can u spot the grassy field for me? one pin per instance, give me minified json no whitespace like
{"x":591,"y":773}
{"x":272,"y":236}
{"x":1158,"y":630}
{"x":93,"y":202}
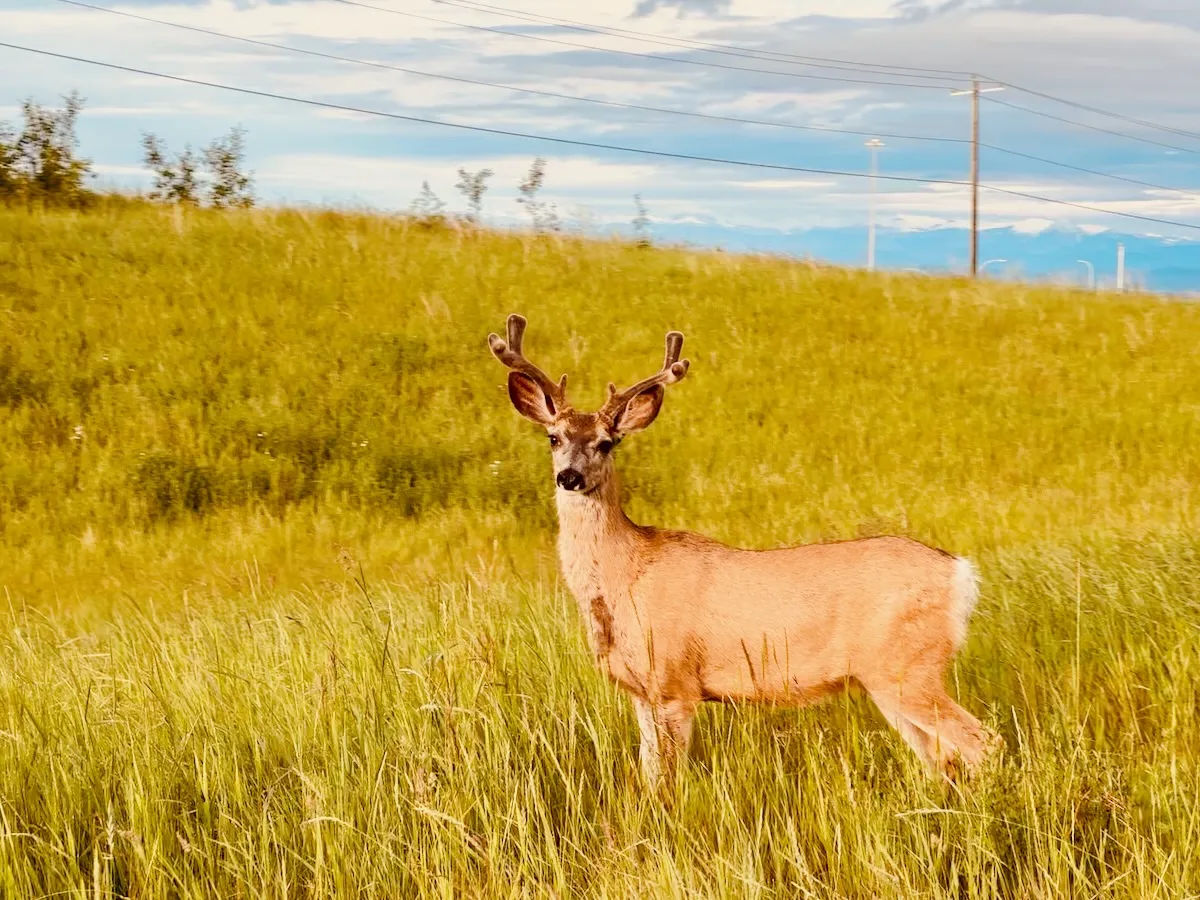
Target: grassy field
{"x":280,"y":609}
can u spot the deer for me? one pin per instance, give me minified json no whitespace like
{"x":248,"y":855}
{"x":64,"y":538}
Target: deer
{"x":676,"y":619}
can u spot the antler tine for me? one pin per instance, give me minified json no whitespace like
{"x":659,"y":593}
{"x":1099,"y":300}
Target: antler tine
{"x":516,"y":332}
{"x":510,"y":354}
{"x":672,"y":371}
{"x":674,"y":348}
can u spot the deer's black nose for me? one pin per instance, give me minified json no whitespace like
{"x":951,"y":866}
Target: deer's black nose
{"x":569,"y":480}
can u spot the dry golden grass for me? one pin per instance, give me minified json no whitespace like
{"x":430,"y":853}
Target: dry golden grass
{"x":280,"y":608}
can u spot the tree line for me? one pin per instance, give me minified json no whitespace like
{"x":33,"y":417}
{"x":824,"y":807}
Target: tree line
{"x":41,"y":163}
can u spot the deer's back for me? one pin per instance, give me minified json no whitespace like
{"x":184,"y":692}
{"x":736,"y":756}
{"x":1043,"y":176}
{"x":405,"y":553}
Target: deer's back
{"x":791,"y":619}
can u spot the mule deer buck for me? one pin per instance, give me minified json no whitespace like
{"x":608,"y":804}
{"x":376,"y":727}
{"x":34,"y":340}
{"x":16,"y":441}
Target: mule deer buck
{"x":675,"y":618}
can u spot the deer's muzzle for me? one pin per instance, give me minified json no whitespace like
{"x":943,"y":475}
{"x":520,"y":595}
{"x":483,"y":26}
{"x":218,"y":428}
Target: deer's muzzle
{"x":569,"y":480}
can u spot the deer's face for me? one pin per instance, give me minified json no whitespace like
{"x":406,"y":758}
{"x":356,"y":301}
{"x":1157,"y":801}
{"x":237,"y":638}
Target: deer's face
{"x":581,"y":444}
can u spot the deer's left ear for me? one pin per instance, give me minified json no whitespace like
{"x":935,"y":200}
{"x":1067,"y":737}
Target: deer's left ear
{"x":530,"y":399}
{"x":641,"y":410}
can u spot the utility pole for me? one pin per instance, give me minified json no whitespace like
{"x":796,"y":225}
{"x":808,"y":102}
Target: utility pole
{"x":1120,"y":267}
{"x":975,"y":90}
{"x":873,"y":145}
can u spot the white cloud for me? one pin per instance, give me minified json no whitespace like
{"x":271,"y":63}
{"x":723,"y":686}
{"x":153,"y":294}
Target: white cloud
{"x":910,"y":222}
{"x":1032,"y":226}
{"x":307,"y":153}
{"x":784,"y":101}
{"x":783,"y":184}
{"x":393,"y":182}
{"x":136,"y":173}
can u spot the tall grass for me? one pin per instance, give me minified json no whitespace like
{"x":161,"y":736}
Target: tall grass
{"x":281,"y":615}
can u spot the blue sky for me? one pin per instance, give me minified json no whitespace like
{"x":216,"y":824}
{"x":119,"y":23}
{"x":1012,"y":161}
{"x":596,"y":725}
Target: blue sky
{"x":1140,"y":62}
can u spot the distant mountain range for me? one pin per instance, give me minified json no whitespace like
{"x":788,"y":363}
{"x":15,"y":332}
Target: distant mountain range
{"x":1160,"y":264}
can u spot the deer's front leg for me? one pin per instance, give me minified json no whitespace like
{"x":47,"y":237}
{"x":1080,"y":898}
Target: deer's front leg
{"x":666,"y":729}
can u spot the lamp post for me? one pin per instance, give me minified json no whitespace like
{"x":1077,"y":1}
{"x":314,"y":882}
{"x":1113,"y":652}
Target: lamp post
{"x":873,"y":145}
{"x":1091,"y":273}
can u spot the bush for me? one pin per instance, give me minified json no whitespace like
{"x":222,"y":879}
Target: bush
{"x":41,"y":163}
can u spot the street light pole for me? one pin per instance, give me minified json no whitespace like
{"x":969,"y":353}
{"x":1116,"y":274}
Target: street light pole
{"x":873,"y":145}
{"x":974,"y":175}
{"x":975,"y":90}
{"x":1091,"y":273}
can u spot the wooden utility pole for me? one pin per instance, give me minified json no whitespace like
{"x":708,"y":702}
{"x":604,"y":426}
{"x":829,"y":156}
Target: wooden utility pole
{"x":975,"y":90}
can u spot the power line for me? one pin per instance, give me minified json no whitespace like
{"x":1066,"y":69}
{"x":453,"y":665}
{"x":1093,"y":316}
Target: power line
{"x":609,"y":103}
{"x":636,"y":54}
{"x":1084,"y":206}
{"x":818,"y":61}
{"x":610,"y":29}
{"x":1063,"y":165}
{"x":595,"y":145}
{"x":573,"y":142}
{"x":1095,"y":109}
{"x":707,"y":47}
{"x":524,"y":90}
{"x":1120,"y":134}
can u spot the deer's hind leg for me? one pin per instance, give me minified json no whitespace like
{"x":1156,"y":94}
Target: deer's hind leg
{"x":942,"y":733}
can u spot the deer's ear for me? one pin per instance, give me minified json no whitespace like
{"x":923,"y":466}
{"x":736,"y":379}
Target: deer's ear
{"x":641,"y":410}
{"x":529,"y":399}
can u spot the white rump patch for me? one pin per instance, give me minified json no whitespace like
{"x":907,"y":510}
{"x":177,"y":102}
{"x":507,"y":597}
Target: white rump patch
{"x":964,"y":594}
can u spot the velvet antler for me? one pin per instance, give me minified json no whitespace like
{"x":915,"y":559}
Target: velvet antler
{"x":673,"y":369}
{"x":509,"y":353}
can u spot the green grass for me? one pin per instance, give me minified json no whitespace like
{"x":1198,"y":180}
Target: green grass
{"x":280,"y":610}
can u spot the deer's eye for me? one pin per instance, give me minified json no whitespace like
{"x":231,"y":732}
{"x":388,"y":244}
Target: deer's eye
{"x":554,"y":441}
{"x":604,"y":446}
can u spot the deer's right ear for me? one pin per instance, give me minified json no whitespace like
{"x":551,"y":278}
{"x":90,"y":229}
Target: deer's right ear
{"x":529,"y":399}
{"x":641,"y":410}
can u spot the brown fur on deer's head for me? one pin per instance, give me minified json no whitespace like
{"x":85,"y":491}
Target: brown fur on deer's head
{"x":581,"y":442}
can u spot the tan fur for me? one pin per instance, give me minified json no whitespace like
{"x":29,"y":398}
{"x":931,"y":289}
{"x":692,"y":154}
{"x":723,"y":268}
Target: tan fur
{"x":675,"y":618}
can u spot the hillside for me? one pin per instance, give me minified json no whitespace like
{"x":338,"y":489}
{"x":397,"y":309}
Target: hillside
{"x":281,"y":607}
{"x":1052,"y":253}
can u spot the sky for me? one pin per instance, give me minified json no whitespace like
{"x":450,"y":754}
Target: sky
{"x":1138,"y":60}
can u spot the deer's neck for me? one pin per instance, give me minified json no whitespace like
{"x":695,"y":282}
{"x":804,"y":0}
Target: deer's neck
{"x":597,"y":543}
